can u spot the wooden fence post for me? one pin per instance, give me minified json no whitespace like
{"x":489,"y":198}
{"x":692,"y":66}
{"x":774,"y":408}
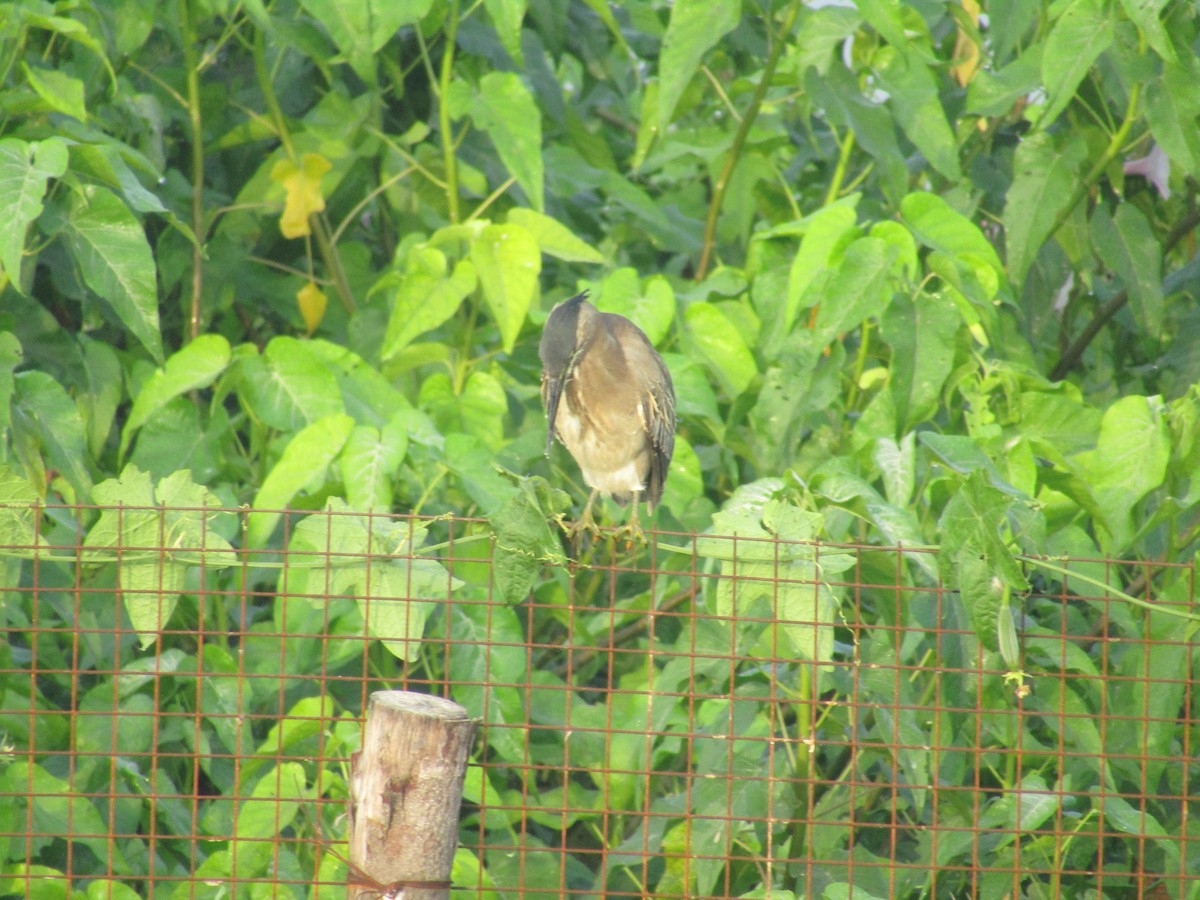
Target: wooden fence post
{"x":405,"y":793}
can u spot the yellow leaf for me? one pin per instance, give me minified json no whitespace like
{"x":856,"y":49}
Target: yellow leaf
{"x":966,"y":50}
{"x":312,"y":302}
{"x":303,"y":186}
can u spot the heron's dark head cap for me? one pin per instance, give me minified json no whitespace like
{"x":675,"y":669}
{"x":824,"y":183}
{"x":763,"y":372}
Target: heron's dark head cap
{"x":560,"y":336}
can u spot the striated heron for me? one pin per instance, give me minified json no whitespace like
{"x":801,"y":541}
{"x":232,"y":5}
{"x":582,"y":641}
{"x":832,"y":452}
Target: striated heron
{"x":609,"y":399}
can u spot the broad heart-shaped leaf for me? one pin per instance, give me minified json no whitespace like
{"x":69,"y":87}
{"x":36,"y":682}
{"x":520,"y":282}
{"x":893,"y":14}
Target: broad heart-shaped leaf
{"x":554,"y":238}
{"x":195,"y":366}
{"x":18,"y":521}
{"x":650,"y":307}
{"x":369,"y":460}
{"x":56,"y":806}
{"x":302,"y":466}
{"x":155,"y":535}
{"x":111,"y":249}
{"x":696,"y":26}
{"x":766,"y":557}
{"x":971,"y":524}
{"x":273,"y":803}
{"x":1080,"y":34}
{"x":425,"y":300}
{"x":372,"y":560}
{"x":1130,"y":461}
{"x":508,"y":262}
{"x":289,"y":386}
{"x":918,"y":108}
{"x":1172,"y":108}
{"x":921,"y":334}
{"x":481,"y":409}
{"x":24,"y":170}
{"x":826,"y":233}
{"x":58,"y":90}
{"x":940,"y":227}
{"x":46,"y":420}
{"x":506,"y":16}
{"x":1126,"y":244}
{"x":858,"y":291}
{"x":722,"y":347}
{"x":524,"y":539}
{"x":361,"y":29}
{"x":1045,"y":176}
{"x":505,"y":109}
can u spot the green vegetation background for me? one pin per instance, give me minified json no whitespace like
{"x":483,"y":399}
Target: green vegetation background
{"x":923,"y":274}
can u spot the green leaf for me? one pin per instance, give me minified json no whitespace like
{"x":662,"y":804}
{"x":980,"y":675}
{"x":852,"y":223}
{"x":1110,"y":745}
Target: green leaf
{"x":922,"y":336}
{"x":11,"y":355}
{"x":53,"y":806}
{"x":288,"y":386}
{"x":826,"y":233}
{"x":504,"y":108}
{"x":554,"y":238}
{"x":25,"y":169}
{"x":105,"y":889}
{"x":18,"y":519}
{"x":897,"y":467}
{"x":766,"y":554}
{"x":424,"y":301}
{"x":58,"y":90}
{"x":110,"y":246}
{"x":372,"y":560}
{"x":474,"y":464}
{"x":525,"y":541}
{"x":368,"y":462}
{"x":997,"y":93}
{"x":859,"y":290}
{"x":508,"y":262}
{"x":919,"y":112}
{"x":100,"y":392}
{"x":1080,"y":34}
{"x":361,"y":29}
{"x":696,"y":26}
{"x":480,"y":410}
{"x":273,"y":803}
{"x":1172,"y":109}
{"x":963,"y":455}
{"x":45,"y":419}
{"x":155,"y":535}
{"x":196,"y":366}
{"x":722,"y":347}
{"x":1046,"y":174}
{"x":1126,"y":243}
{"x":840,"y":94}
{"x":1146,"y":15}
{"x":1130,"y":461}
{"x":506,"y":16}
{"x":938,"y":226}
{"x":650,"y":307}
{"x":302,"y":466}
{"x":971,"y":527}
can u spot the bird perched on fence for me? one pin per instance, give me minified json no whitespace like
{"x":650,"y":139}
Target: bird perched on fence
{"x":609,"y":399}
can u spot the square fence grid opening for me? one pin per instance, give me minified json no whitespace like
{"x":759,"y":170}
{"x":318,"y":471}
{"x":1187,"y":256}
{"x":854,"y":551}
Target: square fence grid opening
{"x":705,"y":717}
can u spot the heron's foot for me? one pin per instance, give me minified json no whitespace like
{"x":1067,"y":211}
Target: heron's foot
{"x":585,"y":526}
{"x":631,"y":532}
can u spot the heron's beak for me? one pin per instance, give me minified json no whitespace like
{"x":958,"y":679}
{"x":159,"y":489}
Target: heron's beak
{"x":553,"y":393}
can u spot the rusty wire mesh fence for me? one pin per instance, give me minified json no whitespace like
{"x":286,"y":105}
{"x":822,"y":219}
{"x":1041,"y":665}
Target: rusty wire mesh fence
{"x":709,"y":717}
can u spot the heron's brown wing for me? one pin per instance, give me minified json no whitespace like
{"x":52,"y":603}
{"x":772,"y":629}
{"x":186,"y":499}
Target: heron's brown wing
{"x":656,"y":405}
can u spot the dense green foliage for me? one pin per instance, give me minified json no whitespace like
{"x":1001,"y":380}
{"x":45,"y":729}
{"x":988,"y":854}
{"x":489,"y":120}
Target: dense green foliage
{"x":920,"y":277}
